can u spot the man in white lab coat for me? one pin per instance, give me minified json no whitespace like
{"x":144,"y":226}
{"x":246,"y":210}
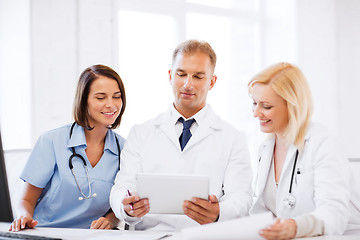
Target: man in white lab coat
{"x":161,"y":145}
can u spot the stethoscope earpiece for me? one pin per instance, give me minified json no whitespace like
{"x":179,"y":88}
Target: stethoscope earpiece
{"x":83,"y":198}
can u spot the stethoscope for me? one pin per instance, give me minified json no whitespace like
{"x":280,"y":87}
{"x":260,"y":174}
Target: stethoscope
{"x":290,"y":200}
{"x":74,"y":154}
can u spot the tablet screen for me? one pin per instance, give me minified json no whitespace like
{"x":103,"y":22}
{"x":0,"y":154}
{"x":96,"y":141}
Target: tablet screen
{"x":167,"y":193}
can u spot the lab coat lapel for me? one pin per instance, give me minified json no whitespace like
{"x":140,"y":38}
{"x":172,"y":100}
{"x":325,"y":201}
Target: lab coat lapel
{"x":264,"y":165}
{"x":166,"y":125}
{"x":289,"y":162}
{"x":209,"y":125}
{"x":285,"y":179}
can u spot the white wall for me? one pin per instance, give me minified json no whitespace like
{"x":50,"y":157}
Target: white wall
{"x":54,"y":62}
{"x":329,"y":55}
{"x":68,"y":35}
{"x":348,"y":60}
{"x":15,"y":99}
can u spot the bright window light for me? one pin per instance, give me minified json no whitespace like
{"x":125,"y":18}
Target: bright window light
{"x":144,"y":61}
{"x":233,"y":4}
{"x":203,"y":27}
{"x":15,"y":88}
{"x":213,"y":3}
{"x":244,"y":34}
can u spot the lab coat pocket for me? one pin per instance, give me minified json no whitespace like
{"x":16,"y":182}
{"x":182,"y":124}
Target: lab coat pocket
{"x":304,"y":189}
{"x":301,"y":178}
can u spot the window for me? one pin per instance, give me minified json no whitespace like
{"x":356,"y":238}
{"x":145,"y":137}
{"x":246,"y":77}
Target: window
{"x":247,"y":35}
{"x":15,"y":107}
{"x":143,"y":63}
{"x":244,"y":34}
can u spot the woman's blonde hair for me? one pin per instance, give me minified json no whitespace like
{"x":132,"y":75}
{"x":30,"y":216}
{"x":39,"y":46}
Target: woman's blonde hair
{"x":289,"y":83}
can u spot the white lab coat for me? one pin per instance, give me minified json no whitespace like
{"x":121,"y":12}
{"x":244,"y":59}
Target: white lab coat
{"x":322,"y":187}
{"x":353,"y":227}
{"x":215,"y":149}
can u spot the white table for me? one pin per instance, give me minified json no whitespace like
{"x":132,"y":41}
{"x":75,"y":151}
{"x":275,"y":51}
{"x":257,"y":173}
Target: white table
{"x":89,"y":234}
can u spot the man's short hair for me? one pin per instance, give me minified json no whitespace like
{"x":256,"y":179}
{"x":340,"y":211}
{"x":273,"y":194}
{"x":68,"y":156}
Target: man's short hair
{"x":193,"y":46}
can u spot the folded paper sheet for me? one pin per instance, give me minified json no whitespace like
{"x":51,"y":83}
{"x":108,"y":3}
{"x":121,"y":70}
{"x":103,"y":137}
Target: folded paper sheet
{"x":242,"y":228}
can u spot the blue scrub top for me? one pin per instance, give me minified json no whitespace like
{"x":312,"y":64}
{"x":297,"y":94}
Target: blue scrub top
{"x":48,"y":168}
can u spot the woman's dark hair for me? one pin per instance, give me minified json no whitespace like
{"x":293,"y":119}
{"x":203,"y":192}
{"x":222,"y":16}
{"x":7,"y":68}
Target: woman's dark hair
{"x":87,"y":77}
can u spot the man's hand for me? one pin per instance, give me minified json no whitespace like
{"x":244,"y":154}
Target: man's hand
{"x":281,"y":229}
{"x":136,"y":207}
{"x":201,"y":210}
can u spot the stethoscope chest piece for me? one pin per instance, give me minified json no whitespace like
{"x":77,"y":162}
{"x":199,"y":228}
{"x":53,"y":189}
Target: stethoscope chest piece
{"x":290,"y":201}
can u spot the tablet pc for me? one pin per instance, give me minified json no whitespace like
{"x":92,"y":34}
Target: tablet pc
{"x":167,"y":193}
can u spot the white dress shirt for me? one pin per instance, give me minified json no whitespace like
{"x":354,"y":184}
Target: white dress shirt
{"x":199,"y":116}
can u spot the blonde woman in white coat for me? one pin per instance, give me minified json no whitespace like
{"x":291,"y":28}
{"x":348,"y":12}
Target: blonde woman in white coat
{"x":300,"y":179}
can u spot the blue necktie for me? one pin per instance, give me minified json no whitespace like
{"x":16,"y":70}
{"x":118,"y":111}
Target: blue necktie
{"x":186,"y":134}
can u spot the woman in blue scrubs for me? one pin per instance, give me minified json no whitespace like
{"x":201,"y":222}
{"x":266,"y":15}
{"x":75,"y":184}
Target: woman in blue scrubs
{"x":55,"y":195}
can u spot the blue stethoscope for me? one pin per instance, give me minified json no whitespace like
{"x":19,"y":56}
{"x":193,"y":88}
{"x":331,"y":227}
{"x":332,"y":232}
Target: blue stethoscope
{"x":73,"y":155}
{"x":290,"y":200}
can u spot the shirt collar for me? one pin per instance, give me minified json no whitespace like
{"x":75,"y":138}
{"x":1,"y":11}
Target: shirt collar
{"x":199,"y":116}
{"x":110,"y":142}
{"x":78,"y":139}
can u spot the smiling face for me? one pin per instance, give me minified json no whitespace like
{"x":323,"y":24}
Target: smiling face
{"x":269,"y":108}
{"x":104,"y":102}
{"x":191,"y":78}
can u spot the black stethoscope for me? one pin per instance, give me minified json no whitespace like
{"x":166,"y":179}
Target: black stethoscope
{"x":290,"y":200}
{"x":74,"y":154}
